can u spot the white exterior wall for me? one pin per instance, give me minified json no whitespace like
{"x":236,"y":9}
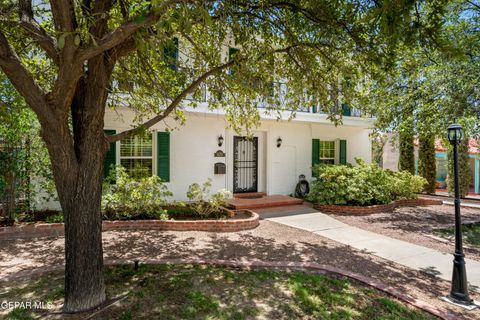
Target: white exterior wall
{"x":391,"y":153}
{"x":193,"y":145}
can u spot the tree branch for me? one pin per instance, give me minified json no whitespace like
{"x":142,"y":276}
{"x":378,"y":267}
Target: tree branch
{"x":21,"y":78}
{"x":63,"y":15}
{"x":194,"y":85}
{"x":123,"y":33}
{"x":44,"y":40}
{"x":475,"y":5}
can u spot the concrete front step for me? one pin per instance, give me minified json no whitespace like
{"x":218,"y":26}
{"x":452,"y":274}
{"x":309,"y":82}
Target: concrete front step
{"x":264,"y":202}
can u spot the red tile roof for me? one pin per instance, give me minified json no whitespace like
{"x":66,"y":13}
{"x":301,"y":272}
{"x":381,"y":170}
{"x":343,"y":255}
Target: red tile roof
{"x":473,"y":145}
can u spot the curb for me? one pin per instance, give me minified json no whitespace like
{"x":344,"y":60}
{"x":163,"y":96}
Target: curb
{"x":367,"y":210}
{"x":463,"y":204}
{"x":57,"y":229}
{"x":310,"y":266}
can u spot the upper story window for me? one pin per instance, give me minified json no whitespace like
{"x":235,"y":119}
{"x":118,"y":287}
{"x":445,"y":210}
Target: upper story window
{"x":327,"y":152}
{"x":170,"y":54}
{"x":136,"y":155}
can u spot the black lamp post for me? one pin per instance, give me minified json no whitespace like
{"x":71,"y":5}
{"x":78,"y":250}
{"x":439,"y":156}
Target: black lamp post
{"x":459,"y":292}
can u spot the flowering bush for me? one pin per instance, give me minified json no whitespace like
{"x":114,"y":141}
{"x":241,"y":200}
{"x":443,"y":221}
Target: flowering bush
{"x":362,"y":185}
{"x":130,"y":198}
{"x":205,"y":205}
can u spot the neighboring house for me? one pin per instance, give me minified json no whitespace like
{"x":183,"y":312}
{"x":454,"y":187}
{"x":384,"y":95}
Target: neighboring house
{"x":390,"y":158}
{"x":442,"y":168}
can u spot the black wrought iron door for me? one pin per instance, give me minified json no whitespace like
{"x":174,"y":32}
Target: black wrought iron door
{"x":245,"y":164}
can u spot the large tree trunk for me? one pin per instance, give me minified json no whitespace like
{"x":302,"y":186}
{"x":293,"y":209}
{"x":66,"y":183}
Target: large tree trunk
{"x":77,"y":163}
{"x":79,"y":187}
{"x":77,"y":148}
{"x":84,"y":282}
{"x":78,"y":178}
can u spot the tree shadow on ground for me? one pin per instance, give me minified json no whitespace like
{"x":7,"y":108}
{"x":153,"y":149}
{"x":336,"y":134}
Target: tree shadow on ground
{"x":419,"y":219}
{"x":248,"y":247}
{"x":21,"y":254}
{"x":269,"y":242}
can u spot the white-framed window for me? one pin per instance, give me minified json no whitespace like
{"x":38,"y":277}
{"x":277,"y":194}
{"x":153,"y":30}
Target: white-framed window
{"x":327,"y":152}
{"x":136,"y":155}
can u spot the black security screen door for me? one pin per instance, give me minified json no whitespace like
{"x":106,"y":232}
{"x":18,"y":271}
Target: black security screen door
{"x":245,"y":164}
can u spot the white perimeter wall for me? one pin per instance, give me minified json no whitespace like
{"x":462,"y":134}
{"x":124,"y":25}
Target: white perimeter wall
{"x":193,"y":145}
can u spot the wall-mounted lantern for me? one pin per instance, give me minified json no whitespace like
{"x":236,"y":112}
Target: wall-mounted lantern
{"x":220,"y":140}
{"x":279,"y":142}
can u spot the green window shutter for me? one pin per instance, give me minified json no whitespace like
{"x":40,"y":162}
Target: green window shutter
{"x":315,"y":153}
{"x":231,"y":54}
{"x":111,"y":157}
{"x":343,"y":151}
{"x":314,"y":109}
{"x":346,"y":110}
{"x":163,"y":155}
{"x":170,"y":54}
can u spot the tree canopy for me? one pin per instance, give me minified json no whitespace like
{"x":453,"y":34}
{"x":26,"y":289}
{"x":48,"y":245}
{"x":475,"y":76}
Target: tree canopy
{"x":440,"y":83}
{"x":323,"y":50}
{"x":67,"y":59}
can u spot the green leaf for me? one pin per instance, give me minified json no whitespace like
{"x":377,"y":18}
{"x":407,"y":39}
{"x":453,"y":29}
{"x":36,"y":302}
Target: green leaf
{"x":76,"y":40}
{"x":61,"y":41}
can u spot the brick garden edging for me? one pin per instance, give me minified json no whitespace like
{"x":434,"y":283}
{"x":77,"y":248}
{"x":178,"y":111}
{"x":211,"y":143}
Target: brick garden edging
{"x":366,"y":210}
{"x":56,"y":229}
{"x":289,"y":265}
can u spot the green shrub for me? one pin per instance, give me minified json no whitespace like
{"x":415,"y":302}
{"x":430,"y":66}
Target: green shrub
{"x":179,"y":210}
{"x":129,"y":198}
{"x":55,"y":218}
{"x":362,"y":185}
{"x":205,"y":205}
{"x":406,"y":186}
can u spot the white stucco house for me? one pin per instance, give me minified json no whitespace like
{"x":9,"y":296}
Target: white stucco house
{"x":271,"y":162}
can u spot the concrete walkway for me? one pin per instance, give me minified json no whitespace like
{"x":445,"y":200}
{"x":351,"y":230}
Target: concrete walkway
{"x":404,"y":253}
{"x":466,"y":205}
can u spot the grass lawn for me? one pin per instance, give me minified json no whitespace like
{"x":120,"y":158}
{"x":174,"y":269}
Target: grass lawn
{"x":199,"y":292}
{"x":470,"y":233}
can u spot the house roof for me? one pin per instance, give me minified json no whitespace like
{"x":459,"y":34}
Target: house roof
{"x":473,"y":146}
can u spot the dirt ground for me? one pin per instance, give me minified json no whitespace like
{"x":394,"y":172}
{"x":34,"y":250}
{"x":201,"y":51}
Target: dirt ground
{"x":269,"y":242}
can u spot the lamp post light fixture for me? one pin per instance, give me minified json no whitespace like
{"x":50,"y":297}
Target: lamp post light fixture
{"x":279,"y":142}
{"x":220,"y":140}
{"x":459,"y":291}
